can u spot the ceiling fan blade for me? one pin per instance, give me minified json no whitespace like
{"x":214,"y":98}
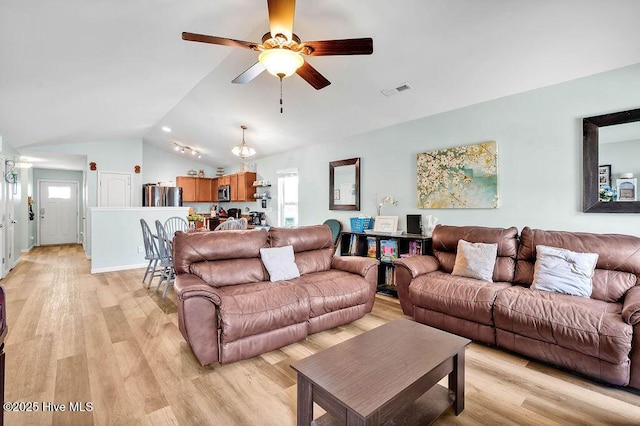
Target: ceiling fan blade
{"x":312,"y":76}
{"x":252,"y":72}
{"x":281,"y":17}
{"x":219,"y":40}
{"x":351,"y":46}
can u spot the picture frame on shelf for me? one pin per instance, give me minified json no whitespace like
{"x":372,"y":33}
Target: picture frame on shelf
{"x":604,"y":175}
{"x":385,"y":224}
{"x":627,"y":189}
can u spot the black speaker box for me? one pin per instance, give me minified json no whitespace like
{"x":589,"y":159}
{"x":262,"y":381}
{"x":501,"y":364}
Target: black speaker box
{"x":414,"y":224}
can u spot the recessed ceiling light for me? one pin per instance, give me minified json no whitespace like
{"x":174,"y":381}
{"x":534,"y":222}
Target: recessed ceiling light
{"x":166,"y":129}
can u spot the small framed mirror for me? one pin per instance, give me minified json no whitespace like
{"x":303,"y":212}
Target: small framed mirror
{"x":344,"y":184}
{"x":611,"y":144}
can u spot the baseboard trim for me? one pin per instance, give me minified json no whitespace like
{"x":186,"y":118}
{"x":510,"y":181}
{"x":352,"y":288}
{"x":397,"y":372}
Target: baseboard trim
{"x":118,"y":268}
{"x":28,"y":249}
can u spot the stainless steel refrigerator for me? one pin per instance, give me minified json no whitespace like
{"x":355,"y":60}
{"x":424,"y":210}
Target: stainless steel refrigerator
{"x":154,"y":195}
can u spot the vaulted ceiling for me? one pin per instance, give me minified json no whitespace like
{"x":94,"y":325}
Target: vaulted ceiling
{"x":75,"y":71}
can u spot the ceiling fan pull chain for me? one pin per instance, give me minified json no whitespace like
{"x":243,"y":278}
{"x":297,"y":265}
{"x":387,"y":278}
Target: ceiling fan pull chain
{"x":280,"y":75}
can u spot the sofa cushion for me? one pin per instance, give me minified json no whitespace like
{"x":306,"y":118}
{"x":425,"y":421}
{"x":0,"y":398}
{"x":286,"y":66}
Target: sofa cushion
{"x":617,"y":269}
{"x":589,"y":326}
{"x":460,"y":297}
{"x":192,"y":248}
{"x":312,"y":245}
{"x":564,"y":271}
{"x":475,"y":260}
{"x":445,"y":243}
{"x":280,"y":263}
{"x":333,"y":290}
{"x":250,"y":309}
{"x":230,"y":272}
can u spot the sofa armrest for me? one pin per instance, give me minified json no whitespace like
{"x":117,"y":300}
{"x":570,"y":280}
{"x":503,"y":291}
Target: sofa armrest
{"x":189,"y":285}
{"x":408,"y":268}
{"x":198,"y":305}
{"x":354,"y":264}
{"x":631,"y":306}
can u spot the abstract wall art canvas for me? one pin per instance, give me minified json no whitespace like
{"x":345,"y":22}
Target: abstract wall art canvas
{"x":464,"y":177}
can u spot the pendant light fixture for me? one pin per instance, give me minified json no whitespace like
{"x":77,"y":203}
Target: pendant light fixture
{"x":243,"y":150}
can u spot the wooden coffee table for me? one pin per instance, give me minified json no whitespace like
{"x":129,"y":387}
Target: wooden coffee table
{"x":388,"y":373}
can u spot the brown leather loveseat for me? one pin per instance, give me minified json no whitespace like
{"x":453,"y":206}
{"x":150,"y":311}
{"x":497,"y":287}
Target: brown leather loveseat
{"x":228,"y":309}
{"x":598,"y":336}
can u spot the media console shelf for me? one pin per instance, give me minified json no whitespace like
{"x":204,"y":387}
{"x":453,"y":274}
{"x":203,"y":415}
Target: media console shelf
{"x":386,"y":248}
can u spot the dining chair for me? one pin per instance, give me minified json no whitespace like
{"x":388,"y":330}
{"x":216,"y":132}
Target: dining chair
{"x":233,"y":224}
{"x":151,"y":253}
{"x":175,"y":223}
{"x":166,"y":258}
{"x":336,"y":227}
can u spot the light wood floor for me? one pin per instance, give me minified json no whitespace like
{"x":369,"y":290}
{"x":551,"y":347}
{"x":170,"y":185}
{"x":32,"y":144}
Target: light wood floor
{"x":106,"y":339}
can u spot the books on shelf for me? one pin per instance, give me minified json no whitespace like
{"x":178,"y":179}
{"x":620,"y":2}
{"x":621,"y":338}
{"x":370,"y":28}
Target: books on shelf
{"x":353,"y":245}
{"x":388,"y":250}
{"x":371,"y":247}
{"x":389,"y":276}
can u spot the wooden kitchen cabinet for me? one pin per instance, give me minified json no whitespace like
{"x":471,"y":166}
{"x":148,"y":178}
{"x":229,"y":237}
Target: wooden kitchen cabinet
{"x":241,"y":185}
{"x":214,"y":190}
{"x":188,"y":185}
{"x":203,"y":188}
{"x":233,"y":182}
{"x":195,"y":189}
{"x":245,"y":188}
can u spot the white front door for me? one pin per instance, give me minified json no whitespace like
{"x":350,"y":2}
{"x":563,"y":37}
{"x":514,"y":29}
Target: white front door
{"x":114,"y":189}
{"x":58,"y":212}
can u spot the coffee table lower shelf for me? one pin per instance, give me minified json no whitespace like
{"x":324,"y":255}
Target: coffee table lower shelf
{"x":424,"y":411}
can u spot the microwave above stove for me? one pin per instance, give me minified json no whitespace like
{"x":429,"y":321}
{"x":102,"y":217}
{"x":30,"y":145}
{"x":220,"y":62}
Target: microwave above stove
{"x":224,"y":193}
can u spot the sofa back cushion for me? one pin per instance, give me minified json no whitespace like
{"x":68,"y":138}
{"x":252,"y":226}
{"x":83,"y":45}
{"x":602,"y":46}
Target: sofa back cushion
{"x":312,"y":245}
{"x":617,"y":269}
{"x":445,"y":243}
{"x":221,"y":257}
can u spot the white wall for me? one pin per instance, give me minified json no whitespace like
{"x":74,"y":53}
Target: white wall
{"x":117,"y":242}
{"x":539,"y":136}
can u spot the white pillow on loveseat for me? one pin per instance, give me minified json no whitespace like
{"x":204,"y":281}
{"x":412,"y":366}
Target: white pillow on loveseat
{"x":564,"y":271}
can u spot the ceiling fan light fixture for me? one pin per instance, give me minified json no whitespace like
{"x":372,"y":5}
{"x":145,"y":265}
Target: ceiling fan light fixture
{"x":243,"y":150}
{"x":281,"y":62}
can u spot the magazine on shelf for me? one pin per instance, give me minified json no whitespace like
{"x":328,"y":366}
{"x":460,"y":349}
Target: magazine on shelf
{"x":388,"y":250}
{"x":371,"y":247}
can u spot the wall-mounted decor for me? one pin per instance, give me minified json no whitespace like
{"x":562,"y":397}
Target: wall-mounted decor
{"x":93,"y":165}
{"x":460,"y":177}
{"x":604,"y":129}
{"x":344,"y":182}
{"x":136,"y":168}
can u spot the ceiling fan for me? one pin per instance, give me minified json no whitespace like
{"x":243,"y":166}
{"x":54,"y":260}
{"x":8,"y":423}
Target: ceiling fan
{"x":281,"y":51}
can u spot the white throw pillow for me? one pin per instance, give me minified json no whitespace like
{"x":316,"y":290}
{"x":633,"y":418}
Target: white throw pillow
{"x":564,"y":271}
{"x":475,"y":260}
{"x":280,"y":263}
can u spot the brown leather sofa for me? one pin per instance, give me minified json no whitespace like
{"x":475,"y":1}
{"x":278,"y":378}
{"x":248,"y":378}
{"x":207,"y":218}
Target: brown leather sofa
{"x":228,"y":309}
{"x":597,"y":336}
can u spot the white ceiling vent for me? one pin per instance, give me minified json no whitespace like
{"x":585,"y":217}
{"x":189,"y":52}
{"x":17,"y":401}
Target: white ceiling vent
{"x":402,"y":88}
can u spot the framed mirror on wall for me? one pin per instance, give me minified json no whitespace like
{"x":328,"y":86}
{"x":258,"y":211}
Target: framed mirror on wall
{"x":611,"y":147}
{"x":344,"y":184}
